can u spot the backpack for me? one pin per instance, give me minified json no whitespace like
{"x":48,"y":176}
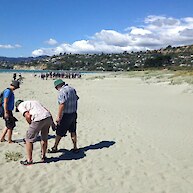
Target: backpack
{"x":1,"y":103}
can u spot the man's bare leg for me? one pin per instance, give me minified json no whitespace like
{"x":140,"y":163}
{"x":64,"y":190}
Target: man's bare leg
{"x":9,"y":135}
{"x":57,"y":140}
{"x":74,"y":140}
{"x":2,"y":138}
{"x":29,"y":149}
{"x":44,"y":145}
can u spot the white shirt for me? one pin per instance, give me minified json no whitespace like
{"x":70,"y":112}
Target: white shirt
{"x":35,"y":109}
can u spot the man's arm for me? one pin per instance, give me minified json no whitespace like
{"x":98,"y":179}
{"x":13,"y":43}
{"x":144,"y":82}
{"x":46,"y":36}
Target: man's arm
{"x":6,"y":115}
{"x":27,"y":117}
{"x":60,"y":112}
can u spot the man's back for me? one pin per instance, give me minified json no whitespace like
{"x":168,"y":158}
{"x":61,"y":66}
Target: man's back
{"x":35,"y":109}
{"x":10,"y":95}
{"x":68,"y":96}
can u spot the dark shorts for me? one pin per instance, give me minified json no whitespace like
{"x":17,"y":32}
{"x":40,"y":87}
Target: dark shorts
{"x":67,"y":123}
{"x":10,"y":121}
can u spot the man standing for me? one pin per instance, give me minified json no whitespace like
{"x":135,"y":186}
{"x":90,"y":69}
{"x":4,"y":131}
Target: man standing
{"x":67,"y":114}
{"x":8,"y":106}
{"x":40,"y":120}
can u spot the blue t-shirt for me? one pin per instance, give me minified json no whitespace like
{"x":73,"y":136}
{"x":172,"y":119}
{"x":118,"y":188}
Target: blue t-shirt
{"x":10,"y":95}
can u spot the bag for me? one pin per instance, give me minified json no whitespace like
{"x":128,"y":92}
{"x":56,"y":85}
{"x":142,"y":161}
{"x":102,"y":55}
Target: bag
{"x":1,"y":103}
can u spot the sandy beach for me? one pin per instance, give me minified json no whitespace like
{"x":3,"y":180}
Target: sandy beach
{"x":135,"y":136}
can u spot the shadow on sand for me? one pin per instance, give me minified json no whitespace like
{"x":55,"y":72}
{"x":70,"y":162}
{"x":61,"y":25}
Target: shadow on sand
{"x":21,"y":141}
{"x":69,"y":155}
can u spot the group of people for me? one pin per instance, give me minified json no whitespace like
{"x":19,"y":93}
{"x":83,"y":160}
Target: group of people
{"x":60,"y":75}
{"x":40,"y":119}
{"x":20,"y":78}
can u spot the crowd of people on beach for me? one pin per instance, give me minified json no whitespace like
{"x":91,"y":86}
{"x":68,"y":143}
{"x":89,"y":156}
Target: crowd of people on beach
{"x":40,"y":119}
{"x":55,"y":75}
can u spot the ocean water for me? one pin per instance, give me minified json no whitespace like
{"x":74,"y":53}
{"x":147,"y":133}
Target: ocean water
{"x":22,"y":71}
{"x":41,"y":71}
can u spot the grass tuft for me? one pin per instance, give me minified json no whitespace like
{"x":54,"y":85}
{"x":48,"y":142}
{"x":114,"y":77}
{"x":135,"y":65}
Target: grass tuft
{"x":13,"y":156}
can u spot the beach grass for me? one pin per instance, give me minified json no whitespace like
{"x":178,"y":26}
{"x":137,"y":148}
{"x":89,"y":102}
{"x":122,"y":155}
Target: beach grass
{"x":172,"y":77}
{"x":95,"y":77}
{"x":13,"y":156}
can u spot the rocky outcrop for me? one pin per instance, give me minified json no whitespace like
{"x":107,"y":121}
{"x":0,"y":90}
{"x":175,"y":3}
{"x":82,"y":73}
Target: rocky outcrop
{"x":25,"y":67}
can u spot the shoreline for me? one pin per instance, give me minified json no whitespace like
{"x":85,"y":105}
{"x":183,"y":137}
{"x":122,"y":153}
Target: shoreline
{"x":42,"y":71}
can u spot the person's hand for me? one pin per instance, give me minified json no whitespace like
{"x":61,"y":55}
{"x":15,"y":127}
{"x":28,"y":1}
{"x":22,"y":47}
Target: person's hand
{"x":28,"y":117}
{"x":58,"y":120}
{"x":53,"y":126}
{"x":6,"y":115}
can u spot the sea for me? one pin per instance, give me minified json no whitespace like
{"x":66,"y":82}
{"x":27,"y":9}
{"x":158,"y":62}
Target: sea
{"x":43,"y":71}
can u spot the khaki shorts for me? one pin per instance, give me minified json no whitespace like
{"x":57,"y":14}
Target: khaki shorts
{"x":36,"y":127}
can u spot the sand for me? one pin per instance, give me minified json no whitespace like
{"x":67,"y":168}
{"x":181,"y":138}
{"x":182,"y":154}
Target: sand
{"x":135,"y":137}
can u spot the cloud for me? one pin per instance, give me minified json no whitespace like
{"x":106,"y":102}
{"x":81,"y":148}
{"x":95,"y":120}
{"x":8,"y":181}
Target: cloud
{"x":161,"y":21}
{"x":187,"y":32}
{"x":9,"y":46}
{"x":139,"y":31}
{"x":51,"y":42}
{"x":155,"y":32}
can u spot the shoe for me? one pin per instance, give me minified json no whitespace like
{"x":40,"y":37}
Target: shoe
{"x":11,"y":141}
{"x":26,"y":163}
{"x":52,"y":150}
{"x":3,"y":140}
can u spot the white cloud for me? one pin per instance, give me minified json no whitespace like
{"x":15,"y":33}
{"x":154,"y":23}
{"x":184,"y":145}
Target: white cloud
{"x":51,"y":42}
{"x":18,"y":46}
{"x":9,"y":46}
{"x":139,"y":31}
{"x":38,"y":52}
{"x":156,"y":32}
{"x":111,"y":38}
{"x":161,"y":21}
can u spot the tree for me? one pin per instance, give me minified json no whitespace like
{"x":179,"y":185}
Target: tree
{"x":158,"y":61}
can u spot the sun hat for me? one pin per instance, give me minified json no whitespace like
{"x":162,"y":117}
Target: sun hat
{"x":15,"y":83}
{"x":17,"y":104}
{"x":58,"y":82}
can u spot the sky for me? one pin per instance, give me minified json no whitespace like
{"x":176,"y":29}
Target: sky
{"x":30,"y":28}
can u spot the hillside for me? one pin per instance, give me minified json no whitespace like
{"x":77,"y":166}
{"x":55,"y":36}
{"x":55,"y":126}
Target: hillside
{"x":165,"y":57}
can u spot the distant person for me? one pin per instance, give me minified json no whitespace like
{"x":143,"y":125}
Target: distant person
{"x":39,"y":120}
{"x":14,"y":76}
{"x":20,"y":79}
{"x":43,"y":76}
{"x":67,"y":114}
{"x":8,"y":106}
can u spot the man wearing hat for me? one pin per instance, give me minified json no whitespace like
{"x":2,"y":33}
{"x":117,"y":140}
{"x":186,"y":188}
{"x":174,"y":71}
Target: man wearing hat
{"x":67,"y":114}
{"x":8,"y":106}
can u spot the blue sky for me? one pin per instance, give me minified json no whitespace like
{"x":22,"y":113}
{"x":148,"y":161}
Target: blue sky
{"x":39,"y":27}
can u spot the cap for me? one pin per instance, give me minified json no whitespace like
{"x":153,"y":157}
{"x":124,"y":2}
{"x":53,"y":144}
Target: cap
{"x":15,"y":83}
{"x":58,"y":82}
{"x":18,"y":102}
